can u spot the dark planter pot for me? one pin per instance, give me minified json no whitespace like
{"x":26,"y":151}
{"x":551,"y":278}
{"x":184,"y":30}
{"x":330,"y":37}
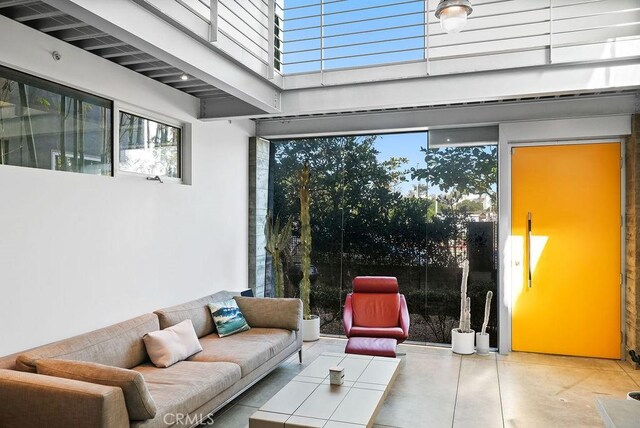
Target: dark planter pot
{"x":295,"y":274}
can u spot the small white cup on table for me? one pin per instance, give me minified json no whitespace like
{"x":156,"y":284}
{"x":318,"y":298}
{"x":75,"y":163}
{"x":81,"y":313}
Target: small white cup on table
{"x":336,"y":375}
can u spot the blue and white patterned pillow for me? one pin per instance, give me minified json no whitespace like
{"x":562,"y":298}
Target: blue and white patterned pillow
{"x":228,"y":318}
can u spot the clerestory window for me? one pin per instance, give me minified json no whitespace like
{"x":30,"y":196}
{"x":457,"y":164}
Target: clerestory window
{"x":50,"y":126}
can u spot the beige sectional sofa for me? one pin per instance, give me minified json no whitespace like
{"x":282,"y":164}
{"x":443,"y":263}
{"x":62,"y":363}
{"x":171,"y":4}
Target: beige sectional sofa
{"x":184,"y":393}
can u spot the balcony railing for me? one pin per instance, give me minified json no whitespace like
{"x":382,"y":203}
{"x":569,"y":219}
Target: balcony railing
{"x":324,"y":35}
{"x":275,"y":37}
{"x":329,"y":34}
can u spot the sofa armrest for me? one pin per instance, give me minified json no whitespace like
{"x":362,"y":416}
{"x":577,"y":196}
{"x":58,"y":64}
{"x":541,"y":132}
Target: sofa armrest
{"x":271,"y":312}
{"x":29,"y":400}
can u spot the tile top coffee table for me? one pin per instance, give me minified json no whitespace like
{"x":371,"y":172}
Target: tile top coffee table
{"x":309,"y":400}
{"x":617,"y":413}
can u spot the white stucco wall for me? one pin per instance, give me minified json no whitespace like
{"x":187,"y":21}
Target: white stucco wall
{"x":79,"y":252}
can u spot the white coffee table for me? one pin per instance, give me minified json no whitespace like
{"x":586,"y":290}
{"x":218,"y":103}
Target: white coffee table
{"x":309,"y":400}
{"x":618,"y":413}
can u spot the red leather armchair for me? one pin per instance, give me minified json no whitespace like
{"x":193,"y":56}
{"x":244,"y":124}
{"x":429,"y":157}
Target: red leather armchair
{"x":376,"y":309}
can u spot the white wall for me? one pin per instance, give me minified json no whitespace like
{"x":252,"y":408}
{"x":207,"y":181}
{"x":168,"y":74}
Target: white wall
{"x":79,"y":252}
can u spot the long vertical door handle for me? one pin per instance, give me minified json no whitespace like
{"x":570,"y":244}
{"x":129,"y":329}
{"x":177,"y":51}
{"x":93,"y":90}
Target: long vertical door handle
{"x":529,"y":247}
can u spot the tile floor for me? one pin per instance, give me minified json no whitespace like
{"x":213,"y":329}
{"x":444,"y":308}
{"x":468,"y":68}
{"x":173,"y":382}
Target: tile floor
{"x":436,"y":388}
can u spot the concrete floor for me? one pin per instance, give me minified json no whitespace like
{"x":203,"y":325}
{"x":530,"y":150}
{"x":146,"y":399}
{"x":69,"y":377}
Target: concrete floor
{"x":436,"y":388}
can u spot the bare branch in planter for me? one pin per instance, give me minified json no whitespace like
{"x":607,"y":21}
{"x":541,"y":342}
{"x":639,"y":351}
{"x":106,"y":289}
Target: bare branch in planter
{"x":465,"y":302}
{"x":487,"y":311}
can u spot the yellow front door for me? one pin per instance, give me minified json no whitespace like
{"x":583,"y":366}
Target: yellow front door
{"x":565,"y":243}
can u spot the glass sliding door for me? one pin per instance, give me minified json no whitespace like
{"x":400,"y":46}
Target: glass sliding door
{"x":388,"y":205}
{"x":462,"y":184}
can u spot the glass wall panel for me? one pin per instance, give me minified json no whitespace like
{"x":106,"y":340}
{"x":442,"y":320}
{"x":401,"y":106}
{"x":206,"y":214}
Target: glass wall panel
{"x":328,"y":188}
{"x":388,"y":205}
{"x":148,"y":147}
{"x":462,"y":183}
{"x":385,"y":215}
{"x":45,"y":125}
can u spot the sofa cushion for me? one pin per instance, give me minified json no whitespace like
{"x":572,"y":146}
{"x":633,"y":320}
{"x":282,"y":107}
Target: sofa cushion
{"x":248,"y":349}
{"x":277,"y":338}
{"x":119,"y":345}
{"x":196,"y":310}
{"x":176,"y":343}
{"x":185,"y":386}
{"x":140,"y":405}
{"x":228,"y":318}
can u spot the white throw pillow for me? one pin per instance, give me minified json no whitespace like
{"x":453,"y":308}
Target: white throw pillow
{"x":176,"y":343}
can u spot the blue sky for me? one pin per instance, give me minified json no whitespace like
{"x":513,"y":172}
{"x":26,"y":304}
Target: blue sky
{"x":302,"y":33}
{"x":403,"y":145}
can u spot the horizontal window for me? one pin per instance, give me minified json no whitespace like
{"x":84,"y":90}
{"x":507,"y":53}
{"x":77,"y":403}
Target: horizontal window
{"x":149,"y":147}
{"x":49,"y":126}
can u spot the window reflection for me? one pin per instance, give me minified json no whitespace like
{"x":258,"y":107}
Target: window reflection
{"x":148,"y":147}
{"x":49,"y":126}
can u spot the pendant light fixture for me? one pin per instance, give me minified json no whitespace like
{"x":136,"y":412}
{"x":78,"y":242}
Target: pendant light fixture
{"x":453,"y":14}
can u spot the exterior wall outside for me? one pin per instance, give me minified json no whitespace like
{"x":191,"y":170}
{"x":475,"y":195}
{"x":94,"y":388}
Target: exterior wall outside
{"x":258,"y":205}
{"x":632,"y":210}
{"x":80,"y":252}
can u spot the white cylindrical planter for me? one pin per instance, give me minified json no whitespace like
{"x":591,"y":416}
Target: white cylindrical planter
{"x":311,"y":329}
{"x":633,"y":395}
{"x":462,"y":343}
{"x":482,"y":344}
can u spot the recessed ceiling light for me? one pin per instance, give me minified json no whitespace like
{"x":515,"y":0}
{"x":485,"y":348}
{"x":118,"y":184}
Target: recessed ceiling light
{"x":184,"y":76}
